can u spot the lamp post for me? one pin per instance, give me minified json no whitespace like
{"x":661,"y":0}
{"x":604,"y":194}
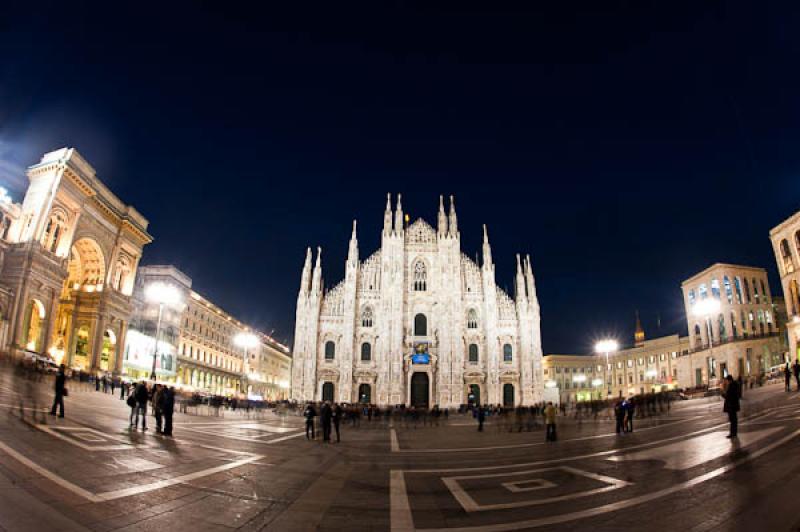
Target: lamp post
{"x":162,"y":294}
{"x":607,"y":347}
{"x":705,"y":309}
{"x":245,"y":340}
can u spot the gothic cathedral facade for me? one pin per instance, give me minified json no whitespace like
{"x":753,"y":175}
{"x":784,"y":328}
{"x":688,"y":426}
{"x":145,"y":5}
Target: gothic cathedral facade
{"x":417,"y":323}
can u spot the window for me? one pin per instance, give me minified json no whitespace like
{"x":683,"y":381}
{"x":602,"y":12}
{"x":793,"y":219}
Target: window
{"x":508,"y":353}
{"x":715,"y":288}
{"x":703,"y":291}
{"x":366,"y":352}
{"x":755,"y":291}
{"x":652,"y":359}
{"x":366,"y":317}
{"x":738,"y":285}
{"x":619,"y":365}
{"x":472,"y":319}
{"x":786,"y":254}
{"x":420,"y":277}
{"x":630,"y":363}
{"x":420,"y":325}
{"x":764,"y":291}
{"x":640,"y":361}
{"x":746,"y":291}
{"x":662,"y":357}
{"x":56,"y":227}
{"x":691,"y":297}
{"x":728,"y":291}
{"x":473,"y":353}
{"x":330,"y":350}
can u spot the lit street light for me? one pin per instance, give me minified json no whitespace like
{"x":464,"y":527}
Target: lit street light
{"x":606,"y":347}
{"x":705,"y":309}
{"x":162,"y":294}
{"x":245,"y":340}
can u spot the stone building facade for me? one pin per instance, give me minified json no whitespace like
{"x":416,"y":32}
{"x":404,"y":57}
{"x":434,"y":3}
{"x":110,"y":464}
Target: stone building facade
{"x":785,"y":239}
{"x":197,"y":345}
{"x":68,"y":258}
{"x":417,"y":322}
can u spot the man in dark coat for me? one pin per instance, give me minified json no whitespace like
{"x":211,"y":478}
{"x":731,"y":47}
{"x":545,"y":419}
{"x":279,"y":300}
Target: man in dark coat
{"x":325,"y":418}
{"x":796,"y":371}
{"x":167,"y":408}
{"x":481,"y":417}
{"x":731,"y":407}
{"x":337,"y":419}
{"x":310,"y":413}
{"x":787,"y":375}
{"x":142,"y":397}
{"x":61,"y":379}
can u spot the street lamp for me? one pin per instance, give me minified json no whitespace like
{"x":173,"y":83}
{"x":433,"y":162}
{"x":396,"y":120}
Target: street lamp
{"x":162,"y":294}
{"x":705,"y":309}
{"x":245,"y":340}
{"x":606,"y":347}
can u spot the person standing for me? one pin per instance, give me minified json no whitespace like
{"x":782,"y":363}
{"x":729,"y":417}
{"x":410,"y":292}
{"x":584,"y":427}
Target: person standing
{"x":167,"y":409}
{"x":796,"y":371}
{"x":619,"y":414}
{"x":325,"y":418}
{"x":158,"y":397}
{"x":787,"y":374}
{"x":630,"y":410}
{"x":142,"y":396}
{"x":310,"y":413}
{"x":550,"y":421}
{"x":732,"y":405}
{"x":481,"y":417}
{"x":337,"y":419}
{"x":61,"y":391}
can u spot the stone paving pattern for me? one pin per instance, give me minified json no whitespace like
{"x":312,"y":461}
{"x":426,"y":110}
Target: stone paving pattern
{"x":89,"y":471}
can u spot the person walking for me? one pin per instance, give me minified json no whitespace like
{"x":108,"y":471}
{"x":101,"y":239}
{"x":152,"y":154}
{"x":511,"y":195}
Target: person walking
{"x":310,"y":413}
{"x":337,"y":419}
{"x":732,"y":405}
{"x":325,"y":417}
{"x":796,"y":371}
{"x":481,"y":417}
{"x":630,"y":410}
{"x":787,"y":374}
{"x":61,"y":391}
{"x":141,"y":396}
{"x":619,"y":414}
{"x":167,"y":409}
{"x":550,"y":421}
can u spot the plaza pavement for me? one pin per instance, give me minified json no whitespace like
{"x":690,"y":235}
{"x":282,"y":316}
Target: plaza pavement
{"x":89,"y":471}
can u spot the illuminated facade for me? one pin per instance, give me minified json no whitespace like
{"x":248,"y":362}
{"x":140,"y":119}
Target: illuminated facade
{"x":197,"y":346}
{"x":68,"y":258}
{"x":785,"y":239}
{"x":417,"y":322}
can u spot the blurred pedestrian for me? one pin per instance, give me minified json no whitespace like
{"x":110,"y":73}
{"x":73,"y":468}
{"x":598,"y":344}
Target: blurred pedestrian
{"x":61,"y":391}
{"x":337,"y":419}
{"x":325,"y":418}
{"x":141,"y":395}
{"x":310,"y":413}
{"x":481,"y":417}
{"x":732,"y":405}
{"x":550,"y":421}
{"x":787,"y":375}
{"x":167,"y":409}
{"x":796,"y":371}
{"x":158,"y":397}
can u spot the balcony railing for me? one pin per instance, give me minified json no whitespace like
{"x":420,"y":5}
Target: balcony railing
{"x":729,"y":340}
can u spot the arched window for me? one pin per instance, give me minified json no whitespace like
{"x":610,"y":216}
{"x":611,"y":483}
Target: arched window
{"x":472,"y":319}
{"x":723,"y":334}
{"x":786,"y":254}
{"x":472,"y":352}
{"x":366,"y":352}
{"x":420,"y":277}
{"x":738,"y":285}
{"x":728,"y":291}
{"x":691,"y":297}
{"x":508,"y":353}
{"x":698,"y":336}
{"x":330,"y":350}
{"x":56,"y":227}
{"x":764,"y":291}
{"x":366,"y":317}
{"x":746,"y":291}
{"x":735,"y":329}
{"x":755,"y":291}
{"x":715,"y":288}
{"x":420,"y":325}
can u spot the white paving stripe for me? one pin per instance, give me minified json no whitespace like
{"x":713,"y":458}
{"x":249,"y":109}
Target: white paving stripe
{"x":402,"y":520}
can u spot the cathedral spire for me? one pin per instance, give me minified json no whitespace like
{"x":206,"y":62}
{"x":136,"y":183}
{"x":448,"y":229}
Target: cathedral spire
{"x":398,"y":215}
{"x":520,"y":281}
{"x":638,"y":336}
{"x":305,"y":280}
{"x":387,"y":215}
{"x":316,"y":283}
{"x":453,"y":218}
{"x":529,"y":278}
{"x":352,"y":254}
{"x":487,"y":249}
{"x":442,"y":226}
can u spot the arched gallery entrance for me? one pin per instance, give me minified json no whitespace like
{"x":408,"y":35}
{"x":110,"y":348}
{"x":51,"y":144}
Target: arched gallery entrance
{"x":420,"y":389}
{"x":327,"y":391}
{"x":508,"y":395}
{"x":365,"y":394}
{"x":474,"y":395}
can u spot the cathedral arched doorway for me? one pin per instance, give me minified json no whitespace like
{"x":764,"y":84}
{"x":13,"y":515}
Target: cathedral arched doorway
{"x":365,"y":394}
{"x":474,"y":395}
{"x":420,"y":389}
{"x":327,"y":391}
{"x":508,"y":395}
{"x":34,"y":326}
{"x":108,"y":354}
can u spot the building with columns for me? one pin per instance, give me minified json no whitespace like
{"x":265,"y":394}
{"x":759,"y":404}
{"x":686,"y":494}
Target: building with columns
{"x":417,"y":322}
{"x":68,"y":258}
{"x":785,"y":239}
{"x":197,"y":346}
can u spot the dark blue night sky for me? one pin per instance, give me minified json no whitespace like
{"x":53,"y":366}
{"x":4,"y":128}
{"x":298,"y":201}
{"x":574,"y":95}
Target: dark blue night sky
{"x":625,"y":147}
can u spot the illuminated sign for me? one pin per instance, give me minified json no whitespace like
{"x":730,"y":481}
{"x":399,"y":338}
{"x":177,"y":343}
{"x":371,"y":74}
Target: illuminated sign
{"x":420,"y":358}
{"x":139,"y":353}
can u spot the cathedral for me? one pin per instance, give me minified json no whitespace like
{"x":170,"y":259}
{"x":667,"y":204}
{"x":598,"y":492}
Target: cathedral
{"x":417,"y":323}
